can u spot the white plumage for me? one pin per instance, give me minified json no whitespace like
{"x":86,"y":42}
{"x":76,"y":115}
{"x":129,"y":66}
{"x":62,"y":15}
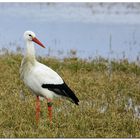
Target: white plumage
{"x":39,"y":74}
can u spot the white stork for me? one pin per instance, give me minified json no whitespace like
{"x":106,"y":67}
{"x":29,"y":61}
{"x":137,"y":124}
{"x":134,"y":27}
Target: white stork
{"x":41,"y":79}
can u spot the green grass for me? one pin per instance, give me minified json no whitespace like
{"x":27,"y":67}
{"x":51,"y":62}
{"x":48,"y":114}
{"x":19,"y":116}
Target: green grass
{"x":95,"y":89}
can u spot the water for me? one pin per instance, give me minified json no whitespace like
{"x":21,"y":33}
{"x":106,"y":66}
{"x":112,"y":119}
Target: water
{"x":62,"y":27}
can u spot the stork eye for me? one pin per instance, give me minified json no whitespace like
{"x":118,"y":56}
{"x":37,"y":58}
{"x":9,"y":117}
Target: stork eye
{"x":30,"y":35}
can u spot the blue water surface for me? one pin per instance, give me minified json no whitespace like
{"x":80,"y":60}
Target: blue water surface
{"x":62,"y":32}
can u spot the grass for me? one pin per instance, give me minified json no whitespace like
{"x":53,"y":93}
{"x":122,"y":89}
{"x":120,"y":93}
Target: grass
{"x":103,"y":109}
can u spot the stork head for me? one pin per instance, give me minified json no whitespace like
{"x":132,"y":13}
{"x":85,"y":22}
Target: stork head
{"x":30,"y":36}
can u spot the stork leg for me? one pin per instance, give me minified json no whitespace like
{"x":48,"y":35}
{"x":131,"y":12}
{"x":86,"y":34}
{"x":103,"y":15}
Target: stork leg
{"x":37,"y":109}
{"x":50,"y":110}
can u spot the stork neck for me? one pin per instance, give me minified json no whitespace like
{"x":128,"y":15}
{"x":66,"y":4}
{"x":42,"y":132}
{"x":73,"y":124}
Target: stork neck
{"x":30,"y":52}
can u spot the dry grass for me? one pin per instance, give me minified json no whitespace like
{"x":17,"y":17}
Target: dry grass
{"x":103,"y":110}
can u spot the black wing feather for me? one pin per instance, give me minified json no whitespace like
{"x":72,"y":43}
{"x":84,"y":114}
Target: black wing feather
{"x":62,"y":89}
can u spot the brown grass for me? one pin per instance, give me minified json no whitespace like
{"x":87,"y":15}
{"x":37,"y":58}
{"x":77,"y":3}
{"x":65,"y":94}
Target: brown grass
{"x":103,"y":110}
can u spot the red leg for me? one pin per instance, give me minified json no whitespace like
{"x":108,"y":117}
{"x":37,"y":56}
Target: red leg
{"x":50,"y":110}
{"x":37,"y":109}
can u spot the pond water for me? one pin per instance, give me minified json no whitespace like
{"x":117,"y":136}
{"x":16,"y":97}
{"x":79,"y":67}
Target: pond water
{"x":64,"y":27}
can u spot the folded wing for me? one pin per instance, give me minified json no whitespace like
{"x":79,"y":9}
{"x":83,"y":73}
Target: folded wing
{"x":63,"y":90}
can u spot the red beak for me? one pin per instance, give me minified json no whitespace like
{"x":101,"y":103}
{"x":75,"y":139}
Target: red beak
{"x":38,"y":42}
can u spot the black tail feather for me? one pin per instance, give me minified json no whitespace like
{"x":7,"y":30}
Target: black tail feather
{"x":71,"y":94}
